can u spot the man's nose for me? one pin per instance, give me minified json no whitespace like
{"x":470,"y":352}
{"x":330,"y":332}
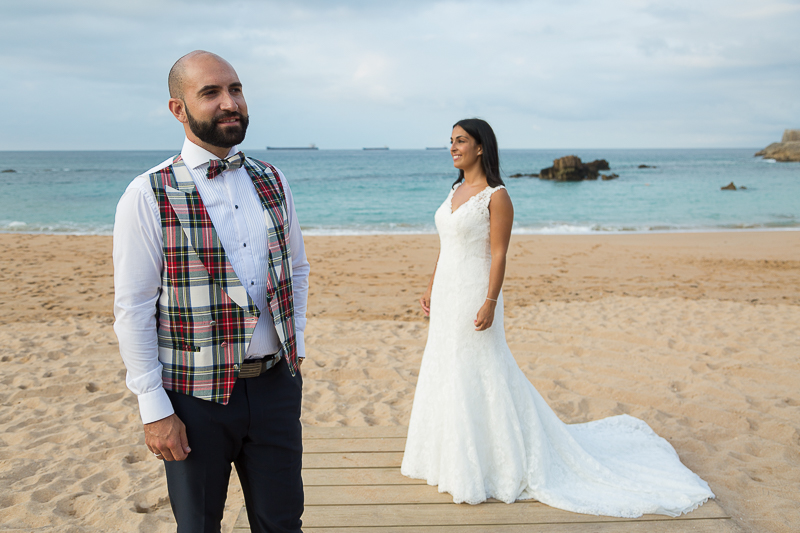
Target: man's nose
{"x":228,"y":102}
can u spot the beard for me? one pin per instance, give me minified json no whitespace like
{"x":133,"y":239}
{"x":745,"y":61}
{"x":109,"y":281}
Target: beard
{"x":211,"y":133}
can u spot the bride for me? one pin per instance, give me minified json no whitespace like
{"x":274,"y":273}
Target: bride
{"x":479,"y":429}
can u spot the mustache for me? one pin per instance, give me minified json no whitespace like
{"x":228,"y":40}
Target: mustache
{"x":230,"y":114}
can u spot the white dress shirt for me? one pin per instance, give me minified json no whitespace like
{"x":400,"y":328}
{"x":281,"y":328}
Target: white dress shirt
{"x":235,"y":209}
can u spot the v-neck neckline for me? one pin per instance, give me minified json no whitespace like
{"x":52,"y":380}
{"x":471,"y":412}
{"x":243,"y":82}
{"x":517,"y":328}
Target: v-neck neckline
{"x":468,"y":200}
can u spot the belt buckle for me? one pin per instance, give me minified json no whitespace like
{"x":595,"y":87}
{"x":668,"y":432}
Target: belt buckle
{"x":256,"y":368}
{"x":250,"y":370}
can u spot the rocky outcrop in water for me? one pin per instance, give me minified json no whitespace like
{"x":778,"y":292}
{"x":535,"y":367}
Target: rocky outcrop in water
{"x":787,"y":150}
{"x":7,"y":171}
{"x":790,"y":136}
{"x":571,"y":168}
{"x":732,"y":187}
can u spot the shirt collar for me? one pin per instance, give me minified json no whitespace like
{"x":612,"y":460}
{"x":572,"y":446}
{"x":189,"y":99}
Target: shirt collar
{"x":194,"y":156}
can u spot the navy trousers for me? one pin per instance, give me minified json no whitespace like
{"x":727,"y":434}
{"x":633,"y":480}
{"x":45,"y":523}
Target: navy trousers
{"x":259,"y":431}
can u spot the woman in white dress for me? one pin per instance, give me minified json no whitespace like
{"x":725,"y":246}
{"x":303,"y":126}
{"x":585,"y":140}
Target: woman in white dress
{"x":479,"y":429}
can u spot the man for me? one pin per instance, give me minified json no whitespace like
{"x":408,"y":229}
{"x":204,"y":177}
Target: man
{"x":211,"y":283}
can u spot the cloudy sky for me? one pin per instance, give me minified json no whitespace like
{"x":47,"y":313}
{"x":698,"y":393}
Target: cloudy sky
{"x":91,"y":74}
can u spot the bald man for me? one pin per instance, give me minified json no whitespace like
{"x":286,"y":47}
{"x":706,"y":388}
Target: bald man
{"x":211,"y":284}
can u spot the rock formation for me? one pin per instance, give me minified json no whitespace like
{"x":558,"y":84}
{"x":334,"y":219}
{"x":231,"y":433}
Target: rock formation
{"x":598,"y":164}
{"x":571,"y":168}
{"x":790,"y":136}
{"x":607,"y":177}
{"x":647,"y":166}
{"x":8,"y":171}
{"x":785,"y":151}
{"x":519,"y":175}
{"x":728,"y":187}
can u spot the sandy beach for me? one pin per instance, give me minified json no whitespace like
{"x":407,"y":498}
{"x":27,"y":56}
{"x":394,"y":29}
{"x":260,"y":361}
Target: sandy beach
{"x":698,"y":334}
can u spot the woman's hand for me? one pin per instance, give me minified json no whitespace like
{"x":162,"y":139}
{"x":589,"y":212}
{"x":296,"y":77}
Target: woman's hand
{"x":485,"y":315}
{"x":425,"y":303}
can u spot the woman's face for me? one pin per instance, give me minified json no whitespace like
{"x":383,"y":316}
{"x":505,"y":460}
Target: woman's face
{"x":465,"y":150}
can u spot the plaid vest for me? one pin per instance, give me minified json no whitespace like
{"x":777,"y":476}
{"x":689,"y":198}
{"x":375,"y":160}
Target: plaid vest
{"x":205,"y":316}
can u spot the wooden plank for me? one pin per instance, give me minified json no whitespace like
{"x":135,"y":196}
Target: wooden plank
{"x":388,"y":444}
{"x":353,"y":460}
{"x":444,"y":516}
{"x":242,"y":523}
{"x":685,"y":526}
{"x":353,"y":483}
{"x":375,"y":494}
{"x":354,"y":432}
{"x":454,"y":515}
{"x":356,"y":476}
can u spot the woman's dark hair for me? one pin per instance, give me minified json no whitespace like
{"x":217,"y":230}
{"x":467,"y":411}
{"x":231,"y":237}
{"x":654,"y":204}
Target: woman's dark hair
{"x":481,"y":131}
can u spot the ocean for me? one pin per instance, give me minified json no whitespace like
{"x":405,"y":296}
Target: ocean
{"x":352,"y":192}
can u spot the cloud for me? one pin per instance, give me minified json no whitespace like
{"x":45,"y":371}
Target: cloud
{"x":624,"y":73}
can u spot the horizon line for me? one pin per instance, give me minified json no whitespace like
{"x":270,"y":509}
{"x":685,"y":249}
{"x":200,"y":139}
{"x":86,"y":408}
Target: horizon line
{"x":423,"y":149}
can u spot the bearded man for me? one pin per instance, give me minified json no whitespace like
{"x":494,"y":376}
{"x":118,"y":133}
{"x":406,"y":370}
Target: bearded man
{"x":211,"y":284}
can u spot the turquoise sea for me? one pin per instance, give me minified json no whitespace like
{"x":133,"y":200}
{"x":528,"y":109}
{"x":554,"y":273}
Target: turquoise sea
{"x":397,"y":191}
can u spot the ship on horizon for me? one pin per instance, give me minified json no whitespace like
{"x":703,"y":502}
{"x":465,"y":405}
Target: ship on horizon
{"x":376,"y":148}
{"x":309,"y":147}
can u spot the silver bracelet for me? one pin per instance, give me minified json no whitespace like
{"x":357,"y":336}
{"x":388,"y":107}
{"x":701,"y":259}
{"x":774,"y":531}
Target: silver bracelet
{"x":491,"y":299}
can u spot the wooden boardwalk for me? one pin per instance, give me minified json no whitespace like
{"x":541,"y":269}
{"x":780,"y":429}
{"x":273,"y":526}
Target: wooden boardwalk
{"x":353,"y":484}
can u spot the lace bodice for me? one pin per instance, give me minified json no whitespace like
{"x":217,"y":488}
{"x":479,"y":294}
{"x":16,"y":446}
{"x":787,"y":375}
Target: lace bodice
{"x":465,"y":230}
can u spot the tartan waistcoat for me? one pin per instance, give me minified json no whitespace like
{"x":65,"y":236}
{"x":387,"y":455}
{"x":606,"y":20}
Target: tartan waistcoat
{"x":205,"y":317}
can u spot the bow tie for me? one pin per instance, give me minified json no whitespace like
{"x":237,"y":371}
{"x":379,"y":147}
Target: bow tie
{"x":218,"y":166}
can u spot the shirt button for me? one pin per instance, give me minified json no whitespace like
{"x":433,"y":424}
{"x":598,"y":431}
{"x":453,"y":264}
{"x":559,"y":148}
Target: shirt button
{"x":245,"y":245}
{"x":236,"y":206}
{"x":252,"y":283}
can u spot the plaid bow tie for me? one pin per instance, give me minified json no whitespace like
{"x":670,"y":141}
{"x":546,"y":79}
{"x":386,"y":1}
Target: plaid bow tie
{"x":218,"y":166}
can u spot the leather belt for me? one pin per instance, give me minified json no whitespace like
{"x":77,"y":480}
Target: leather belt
{"x":253,"y":369}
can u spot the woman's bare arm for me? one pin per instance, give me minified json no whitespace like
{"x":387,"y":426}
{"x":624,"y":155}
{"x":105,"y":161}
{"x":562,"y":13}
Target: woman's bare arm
{"x":501,"y":218}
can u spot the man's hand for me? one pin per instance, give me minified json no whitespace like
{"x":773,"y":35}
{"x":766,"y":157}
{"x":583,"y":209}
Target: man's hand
{"x":166,"y":438}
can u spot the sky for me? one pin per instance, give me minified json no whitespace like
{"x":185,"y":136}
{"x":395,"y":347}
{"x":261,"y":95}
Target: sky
{"x":92,"y":74}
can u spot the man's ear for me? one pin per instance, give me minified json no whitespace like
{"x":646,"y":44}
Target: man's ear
{"x":178,"y":109}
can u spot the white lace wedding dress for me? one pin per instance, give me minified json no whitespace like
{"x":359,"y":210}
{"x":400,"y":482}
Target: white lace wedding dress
{"x":479,"y":429}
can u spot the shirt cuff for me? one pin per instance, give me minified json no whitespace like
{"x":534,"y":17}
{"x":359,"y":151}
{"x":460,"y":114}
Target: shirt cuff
{"x":154,"y":406}
{"x":300,"y":342}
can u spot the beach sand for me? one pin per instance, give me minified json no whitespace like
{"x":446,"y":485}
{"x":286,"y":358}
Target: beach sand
{"x":697,"y":334}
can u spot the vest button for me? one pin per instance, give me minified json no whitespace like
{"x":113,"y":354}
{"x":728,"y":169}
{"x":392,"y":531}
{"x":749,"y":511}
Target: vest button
{"x":224,"y":344}
{"x":213,"y":323}
{"x":236,"y":367}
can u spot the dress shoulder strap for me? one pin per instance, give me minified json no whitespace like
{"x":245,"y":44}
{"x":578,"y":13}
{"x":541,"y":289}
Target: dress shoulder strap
{"x":485,"y":196}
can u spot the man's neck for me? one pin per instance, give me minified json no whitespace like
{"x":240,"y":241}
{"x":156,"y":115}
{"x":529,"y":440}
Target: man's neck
{"x":219,"y":151}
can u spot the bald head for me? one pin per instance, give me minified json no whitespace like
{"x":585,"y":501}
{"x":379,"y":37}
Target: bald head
{"x":179,"y":71}
{"x":206,"y":96}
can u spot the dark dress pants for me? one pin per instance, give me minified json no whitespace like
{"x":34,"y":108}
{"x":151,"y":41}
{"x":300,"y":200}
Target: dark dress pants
{"x":259,"y":431}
